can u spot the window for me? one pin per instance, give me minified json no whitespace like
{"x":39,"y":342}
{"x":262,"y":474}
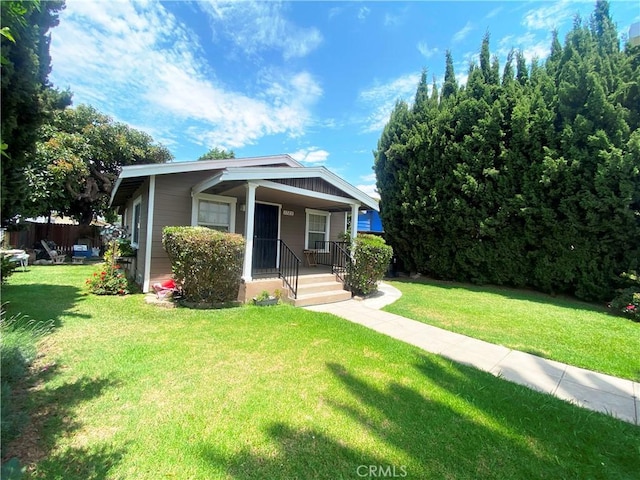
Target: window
{"x":317,"y":229}
{"x":135,"y":222}
{"x":214,"y":211}
{"x":214,"y":215}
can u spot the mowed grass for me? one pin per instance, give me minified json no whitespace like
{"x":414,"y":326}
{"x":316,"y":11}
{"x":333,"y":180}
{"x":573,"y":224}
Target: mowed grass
{"x":559,"y":328}
{"x":281,"y":393}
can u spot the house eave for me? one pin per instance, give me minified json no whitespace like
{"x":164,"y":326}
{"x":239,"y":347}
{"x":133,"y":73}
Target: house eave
{"x":133,"y":176}
{"x":274,"y":173}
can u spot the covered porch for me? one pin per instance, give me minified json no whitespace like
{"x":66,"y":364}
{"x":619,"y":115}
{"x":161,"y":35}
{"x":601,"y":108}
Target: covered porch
{"x":294,"y":222}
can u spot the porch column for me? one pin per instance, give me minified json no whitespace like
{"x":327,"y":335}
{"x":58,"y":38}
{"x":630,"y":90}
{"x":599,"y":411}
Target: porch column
{"x":248,"y":231}
{"x":354,"y":225}
{"x":354,"y":221}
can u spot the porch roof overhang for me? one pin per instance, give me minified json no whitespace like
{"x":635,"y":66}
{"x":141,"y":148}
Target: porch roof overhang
{"x":268,"y":177}
{"x":133,"y":177}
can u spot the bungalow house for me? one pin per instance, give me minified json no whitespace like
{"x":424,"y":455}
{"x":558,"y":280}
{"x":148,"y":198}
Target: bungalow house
{"x":291,"y":216}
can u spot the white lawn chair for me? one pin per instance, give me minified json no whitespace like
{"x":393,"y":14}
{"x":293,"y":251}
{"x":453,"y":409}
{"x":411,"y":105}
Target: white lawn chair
{"x":54,"y":255}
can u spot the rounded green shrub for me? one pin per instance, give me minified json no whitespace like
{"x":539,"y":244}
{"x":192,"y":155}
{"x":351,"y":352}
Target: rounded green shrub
{"x":206,"y":264}
{"x":371,"y":257}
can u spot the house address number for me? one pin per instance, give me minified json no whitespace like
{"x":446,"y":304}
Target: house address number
{"x":288,"y":213}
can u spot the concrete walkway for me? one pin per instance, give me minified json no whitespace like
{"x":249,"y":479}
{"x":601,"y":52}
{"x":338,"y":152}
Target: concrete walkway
{"x":595,"y":391}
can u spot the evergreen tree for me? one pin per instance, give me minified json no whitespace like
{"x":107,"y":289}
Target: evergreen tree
{"x":531,"y":180}
{"x":450,"y":86}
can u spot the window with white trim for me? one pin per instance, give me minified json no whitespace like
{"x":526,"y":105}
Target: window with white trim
{"x":316,"y":229}
{"x":135,"y":222}
{"x":214,"y":211}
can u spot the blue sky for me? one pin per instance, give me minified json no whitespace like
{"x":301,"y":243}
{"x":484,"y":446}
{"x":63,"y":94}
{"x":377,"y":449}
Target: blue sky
{"x":316,"y":80}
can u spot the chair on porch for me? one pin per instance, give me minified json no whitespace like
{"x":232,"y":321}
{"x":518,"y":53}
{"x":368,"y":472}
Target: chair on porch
{"x":53,"y":254}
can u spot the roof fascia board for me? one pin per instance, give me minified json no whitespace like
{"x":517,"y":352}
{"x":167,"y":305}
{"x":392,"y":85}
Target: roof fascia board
{"x":307,"y":172}
{"x":207,"y":183}
{"x":305,"y":193}
{"x":114,"y":190}
{"x":202,"y":165}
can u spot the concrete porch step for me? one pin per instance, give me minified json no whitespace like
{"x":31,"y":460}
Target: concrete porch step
{"x":320,"y":298}
{"x":325,"y":286}
{"x":316,"y":278}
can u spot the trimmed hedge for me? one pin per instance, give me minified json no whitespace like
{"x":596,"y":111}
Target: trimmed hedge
{"x":371,"y":260}
{"x":206,"y":264}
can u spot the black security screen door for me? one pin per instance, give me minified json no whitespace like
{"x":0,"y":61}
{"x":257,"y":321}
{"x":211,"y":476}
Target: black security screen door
{"x":265,"y":240}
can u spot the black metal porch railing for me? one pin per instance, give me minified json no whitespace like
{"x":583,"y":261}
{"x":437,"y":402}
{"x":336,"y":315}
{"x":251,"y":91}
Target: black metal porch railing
{"x":335,"y":255}
{"x":289,"y":268}
{"x":265,"y":262}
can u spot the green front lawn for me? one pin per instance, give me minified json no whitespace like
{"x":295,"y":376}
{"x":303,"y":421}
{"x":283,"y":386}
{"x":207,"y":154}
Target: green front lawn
{"x":558,"y":328}
{"x":280,"y":393}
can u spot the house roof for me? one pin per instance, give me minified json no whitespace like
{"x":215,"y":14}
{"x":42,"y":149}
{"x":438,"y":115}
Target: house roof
{"x":257,"y":169}
{"x":133,"y":176}
{"x":263,"y":175}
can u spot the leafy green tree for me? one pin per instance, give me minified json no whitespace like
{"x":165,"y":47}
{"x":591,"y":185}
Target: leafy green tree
{"x":79,"y":158}
{"x":218,"y":154}
{"x":27,"y":95}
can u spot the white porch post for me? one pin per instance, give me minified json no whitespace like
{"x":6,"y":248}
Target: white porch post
{"x":354,"y":225}
{"x":248,"y":231}
{"x":354,"y":221}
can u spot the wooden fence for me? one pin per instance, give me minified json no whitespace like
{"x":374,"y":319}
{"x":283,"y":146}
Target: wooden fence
{"x":64,"y":236}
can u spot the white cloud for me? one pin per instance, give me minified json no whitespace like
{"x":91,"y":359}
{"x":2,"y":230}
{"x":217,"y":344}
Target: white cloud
{"x":335,"y":11}
{"x":370,"y":189}
{"x":391,"y":20}
{"x":363,"y":13}
{"x":427,"y":52}
{"x":493,"y":12}
{"x":368,"y":178}
{"x":462,"y":33}
{"x":255,"y":26}
{"x":529,"y":44}
{"x":136,"y":62}
{"x":311,"y":155}
{"x":381,"y":98}
{"x":549,"y":16}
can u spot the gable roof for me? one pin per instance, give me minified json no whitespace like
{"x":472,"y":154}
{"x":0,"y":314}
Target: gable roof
{"x":132,"y":177}
{"x":261,"y":169}
{"x":264,"y":174}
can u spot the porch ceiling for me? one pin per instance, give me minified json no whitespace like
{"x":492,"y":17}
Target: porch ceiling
{"x":237,"y":189}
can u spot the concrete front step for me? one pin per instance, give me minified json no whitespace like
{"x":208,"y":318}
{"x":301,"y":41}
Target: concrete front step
{"x":316,"y":278}
{"x":326,"y":286}
{"x":320,"y":298}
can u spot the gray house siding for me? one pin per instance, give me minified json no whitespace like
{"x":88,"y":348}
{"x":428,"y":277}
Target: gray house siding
{"x":172,"y":206}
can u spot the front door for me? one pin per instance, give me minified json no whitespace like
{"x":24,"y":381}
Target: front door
{"x":265,"y":240}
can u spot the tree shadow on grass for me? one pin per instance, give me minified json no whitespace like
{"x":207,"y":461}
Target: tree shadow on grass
{"x":523,"y":294}
{"x":455,"y":422}
{"x":301,"y":454}
{"x":461,"y":423}
{"x":478,"y":426}
{"x":41,"y":304}
{"x":52,"y":418}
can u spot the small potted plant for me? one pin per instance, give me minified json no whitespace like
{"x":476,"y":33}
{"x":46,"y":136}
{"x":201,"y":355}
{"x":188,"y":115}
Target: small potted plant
{"x":264,"y":299}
